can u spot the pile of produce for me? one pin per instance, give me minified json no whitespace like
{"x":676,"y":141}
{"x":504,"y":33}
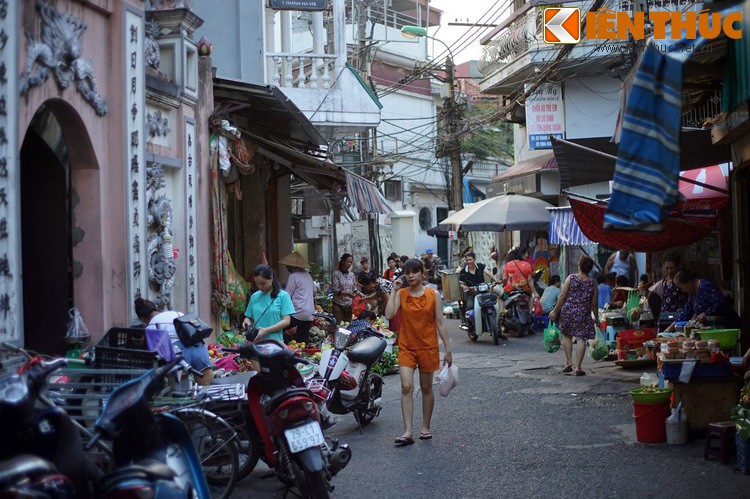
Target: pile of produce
{"x":229,"y":363}
{"x":388,"y":363}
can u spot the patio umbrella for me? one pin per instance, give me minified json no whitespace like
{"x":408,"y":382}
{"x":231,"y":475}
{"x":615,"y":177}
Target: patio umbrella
{"x":507,"y":212}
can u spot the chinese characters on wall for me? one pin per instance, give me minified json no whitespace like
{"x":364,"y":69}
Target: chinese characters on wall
{"x":10,"y":283}
{"x":192,"y":211}
{"x":135,"y":160}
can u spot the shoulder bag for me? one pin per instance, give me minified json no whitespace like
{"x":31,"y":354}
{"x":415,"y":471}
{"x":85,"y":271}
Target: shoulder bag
{"x":191,"y":330}
{"x":251,"y":332}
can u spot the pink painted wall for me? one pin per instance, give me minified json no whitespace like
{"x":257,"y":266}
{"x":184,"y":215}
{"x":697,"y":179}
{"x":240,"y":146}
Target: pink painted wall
{"x":96,"y":153}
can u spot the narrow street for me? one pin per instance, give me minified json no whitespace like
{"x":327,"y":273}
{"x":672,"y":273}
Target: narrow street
{"x":516,"y":427}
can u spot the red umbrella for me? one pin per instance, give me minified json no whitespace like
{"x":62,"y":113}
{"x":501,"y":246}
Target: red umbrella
{"x":702,"y":200}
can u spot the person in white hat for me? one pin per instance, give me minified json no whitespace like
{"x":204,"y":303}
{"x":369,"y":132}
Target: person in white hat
{"x":301,"y":288}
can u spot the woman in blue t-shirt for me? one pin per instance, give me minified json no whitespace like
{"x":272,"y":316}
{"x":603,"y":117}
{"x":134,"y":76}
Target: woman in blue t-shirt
{"x":270,"y":308}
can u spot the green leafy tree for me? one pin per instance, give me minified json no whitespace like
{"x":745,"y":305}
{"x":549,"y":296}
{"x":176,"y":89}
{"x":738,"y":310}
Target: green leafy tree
{"x":494,"y":140}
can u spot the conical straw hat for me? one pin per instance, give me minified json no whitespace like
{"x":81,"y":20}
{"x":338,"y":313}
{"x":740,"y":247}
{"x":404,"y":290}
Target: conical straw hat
{"x":295,"y":260}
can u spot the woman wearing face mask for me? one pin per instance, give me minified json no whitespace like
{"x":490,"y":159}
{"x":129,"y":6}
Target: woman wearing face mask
{"x":344,"y":289}
{"x":422,"y":323}
{"x":270,"y":308}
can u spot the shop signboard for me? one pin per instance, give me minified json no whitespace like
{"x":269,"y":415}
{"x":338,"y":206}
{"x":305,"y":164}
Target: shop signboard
{"x":521,"y":185}
{"x":544,"y":116}
{"x":313,"y":5}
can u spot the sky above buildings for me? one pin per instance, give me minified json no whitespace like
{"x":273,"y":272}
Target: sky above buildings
{"x":464,"y":40}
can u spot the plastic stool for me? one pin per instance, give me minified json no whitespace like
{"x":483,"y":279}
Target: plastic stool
{"x":724,"y":432}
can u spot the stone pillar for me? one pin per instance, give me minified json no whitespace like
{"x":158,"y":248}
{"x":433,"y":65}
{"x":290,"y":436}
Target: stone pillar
{"x":270,"y":38}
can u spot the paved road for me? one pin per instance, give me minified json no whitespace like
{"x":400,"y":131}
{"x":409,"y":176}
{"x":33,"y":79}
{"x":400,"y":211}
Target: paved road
{"x":516,"y":427}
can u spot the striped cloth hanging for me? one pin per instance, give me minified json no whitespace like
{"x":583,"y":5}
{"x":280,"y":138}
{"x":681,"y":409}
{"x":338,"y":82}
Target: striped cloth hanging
{"x":644,"y":188}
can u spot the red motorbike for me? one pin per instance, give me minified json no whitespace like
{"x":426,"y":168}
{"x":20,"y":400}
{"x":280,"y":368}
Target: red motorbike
{"x":285,"y":421}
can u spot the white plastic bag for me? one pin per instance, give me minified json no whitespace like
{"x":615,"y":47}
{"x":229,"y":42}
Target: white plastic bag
{"x":77,"y":330}
{"x":448,"y":379}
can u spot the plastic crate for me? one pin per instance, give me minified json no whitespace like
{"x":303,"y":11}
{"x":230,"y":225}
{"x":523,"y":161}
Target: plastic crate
{"x":539,"y":323}
{"x":637,"y":334}
{"x":124,"y":358}
{"x":124,"y":337}
{"x":124,"y":348}
{"x":701,"y":370}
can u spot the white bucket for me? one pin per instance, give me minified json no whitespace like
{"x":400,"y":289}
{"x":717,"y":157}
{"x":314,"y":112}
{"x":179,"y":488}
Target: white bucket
{"x":677,"y":431}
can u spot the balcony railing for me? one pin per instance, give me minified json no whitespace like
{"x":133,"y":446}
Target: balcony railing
{"x":518,"y":37}
{"x":514,"y":41}
{"x":300,"y":70}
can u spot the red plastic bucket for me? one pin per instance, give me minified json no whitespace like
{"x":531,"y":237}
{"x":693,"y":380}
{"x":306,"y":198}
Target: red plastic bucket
{"x":649,"y":422}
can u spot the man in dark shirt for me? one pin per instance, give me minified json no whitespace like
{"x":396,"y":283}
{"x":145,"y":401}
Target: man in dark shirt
{"x":472,"y":274}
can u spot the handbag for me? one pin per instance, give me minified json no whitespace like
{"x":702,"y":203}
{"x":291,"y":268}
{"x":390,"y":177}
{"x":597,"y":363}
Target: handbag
{"x":251,"y":332}
{"x":191,"y":329}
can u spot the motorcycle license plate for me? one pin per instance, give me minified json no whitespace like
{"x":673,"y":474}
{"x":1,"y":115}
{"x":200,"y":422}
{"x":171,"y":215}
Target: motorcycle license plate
{"x":305,"y":436}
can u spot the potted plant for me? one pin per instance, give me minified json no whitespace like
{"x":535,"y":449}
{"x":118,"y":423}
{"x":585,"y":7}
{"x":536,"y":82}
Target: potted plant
{"x":741,"y":418}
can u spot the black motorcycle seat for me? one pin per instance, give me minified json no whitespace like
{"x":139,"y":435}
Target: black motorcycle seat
{"x":145,"y":468}
{"x":367,"y":351}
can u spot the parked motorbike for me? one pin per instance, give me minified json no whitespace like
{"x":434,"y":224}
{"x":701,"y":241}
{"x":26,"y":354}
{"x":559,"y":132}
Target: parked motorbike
{"x":519,"y":313}
{"x":154,"y":453}
{"x":286,"y":423}
{"x":42,"y":452}
{"x":346,"y":370}
{"x":488,"y":321}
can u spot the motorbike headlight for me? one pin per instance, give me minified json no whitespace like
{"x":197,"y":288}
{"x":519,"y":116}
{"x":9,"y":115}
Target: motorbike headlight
{"x":482,"y":288}
{"x":13,"y":390}
{"x":341,"y":338}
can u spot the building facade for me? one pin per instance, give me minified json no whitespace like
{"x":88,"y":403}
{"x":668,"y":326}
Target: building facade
{"x":100,"y":152}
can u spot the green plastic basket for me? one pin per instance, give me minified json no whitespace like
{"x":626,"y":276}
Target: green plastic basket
{"x":660,"y":396}
{"x":727,"y":338}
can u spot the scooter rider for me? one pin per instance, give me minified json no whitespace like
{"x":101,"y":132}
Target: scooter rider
{"x":473,"y":274}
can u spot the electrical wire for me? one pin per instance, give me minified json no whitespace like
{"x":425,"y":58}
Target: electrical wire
{"x":459,"y":45}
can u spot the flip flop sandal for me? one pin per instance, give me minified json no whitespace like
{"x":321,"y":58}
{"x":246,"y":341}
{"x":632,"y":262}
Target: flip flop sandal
{"x":425,"y":435}
{"x":580,"y":373}
{"x":568,"y":368}
{"x":403,"y":441}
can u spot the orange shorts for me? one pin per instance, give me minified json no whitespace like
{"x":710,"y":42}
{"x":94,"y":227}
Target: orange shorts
{"x":427,"y":360}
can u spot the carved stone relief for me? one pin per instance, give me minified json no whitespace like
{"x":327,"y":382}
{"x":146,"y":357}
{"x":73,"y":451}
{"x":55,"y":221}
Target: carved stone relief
{"x":153,"y":55}
{"x":157,"y":124}
{"x":59,"y":50}
{"x":159,"y":249}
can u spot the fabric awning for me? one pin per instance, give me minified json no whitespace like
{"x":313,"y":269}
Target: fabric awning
{"x":648,"y":160}
{"x":364,"y":196}
{"x":545,"y":162}
{"x":676,"y":233}
{"x":282,"y":132}
{"x":591,"y":160}
{"x":318,"y":171}
{"x":563,"y":228}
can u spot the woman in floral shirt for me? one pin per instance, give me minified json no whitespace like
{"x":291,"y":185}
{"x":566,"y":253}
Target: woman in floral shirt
{"x":344,"y":289}
{"x":704,"y":299}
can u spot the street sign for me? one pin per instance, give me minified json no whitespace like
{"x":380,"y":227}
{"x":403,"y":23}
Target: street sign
{"x":298,"y":4}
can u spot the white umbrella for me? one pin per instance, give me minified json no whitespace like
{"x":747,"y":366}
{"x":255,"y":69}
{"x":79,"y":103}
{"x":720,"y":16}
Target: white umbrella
{"x":507,"y":212}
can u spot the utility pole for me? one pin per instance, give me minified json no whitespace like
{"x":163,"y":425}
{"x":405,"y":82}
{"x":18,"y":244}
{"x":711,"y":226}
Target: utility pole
{"x":454,"y":143}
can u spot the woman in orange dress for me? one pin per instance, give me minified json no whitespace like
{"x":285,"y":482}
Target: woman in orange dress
{"x":422,"y":322}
